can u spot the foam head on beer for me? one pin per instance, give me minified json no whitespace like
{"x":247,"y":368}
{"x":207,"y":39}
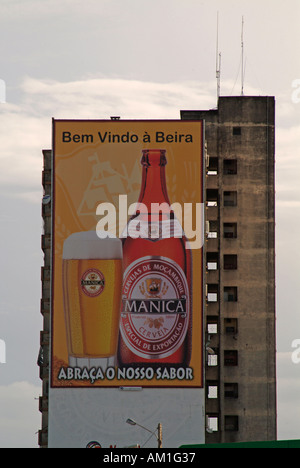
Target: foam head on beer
{"x":89,"y":245}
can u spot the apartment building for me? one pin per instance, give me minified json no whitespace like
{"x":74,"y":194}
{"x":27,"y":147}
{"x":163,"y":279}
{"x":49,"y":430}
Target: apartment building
{"x":240,"y":269}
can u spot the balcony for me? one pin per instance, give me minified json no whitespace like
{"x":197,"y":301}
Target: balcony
{"x":212,"y":167}
{"x":212,"y":235}
{"x":212,"y":203}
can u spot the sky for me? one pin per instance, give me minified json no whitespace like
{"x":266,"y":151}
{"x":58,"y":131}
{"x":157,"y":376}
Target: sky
{"x":137,"y":59}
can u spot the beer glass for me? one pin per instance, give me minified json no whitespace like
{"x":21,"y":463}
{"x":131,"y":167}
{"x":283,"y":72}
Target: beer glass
{"x":92,"y":282}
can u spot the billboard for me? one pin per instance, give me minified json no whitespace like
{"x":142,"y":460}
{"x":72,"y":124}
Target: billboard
{"x":127,"y":266}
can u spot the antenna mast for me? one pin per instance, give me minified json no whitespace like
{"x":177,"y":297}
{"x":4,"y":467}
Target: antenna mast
{"x":218,"y":61}
{"x":242,"y":41}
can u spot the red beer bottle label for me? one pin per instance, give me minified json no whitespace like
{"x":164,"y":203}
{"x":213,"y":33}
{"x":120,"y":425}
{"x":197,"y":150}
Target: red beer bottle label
{"x":155,"y":307}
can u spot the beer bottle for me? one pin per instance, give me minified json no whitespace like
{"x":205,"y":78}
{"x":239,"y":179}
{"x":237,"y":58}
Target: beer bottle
{"x":156,"y":314}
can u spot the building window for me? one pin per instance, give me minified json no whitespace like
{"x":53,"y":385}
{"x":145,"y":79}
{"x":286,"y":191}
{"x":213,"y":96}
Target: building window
{"x":212,"y":197}
{"x":230,"y":198}
{"x":212,"y":359}
{"x":212,"y":261}
{"x":230,"y":230}
{"x":212,"y":423}
{"x":212,"y":292}
{"x":230,"y":167}
{"x":231,"y":326}
{"x":212,"y":229}
{"x":212,"y":297}
{"x":230,"y":262}
{"x":230,"y":358}
{"x":230,"y":294}
{"x":231,"y":423}
{"x":212,"y":328}
{"x":231,"y":390}
{"x":236,"y":131}
{"x":212,"y":390}
{"x":212,"y":168}
{"x":212,"y":325}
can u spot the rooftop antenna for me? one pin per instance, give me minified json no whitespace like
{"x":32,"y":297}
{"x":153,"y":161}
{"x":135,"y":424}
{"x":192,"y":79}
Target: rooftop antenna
{"x":218,"y":61}
{"x":242,"y":41}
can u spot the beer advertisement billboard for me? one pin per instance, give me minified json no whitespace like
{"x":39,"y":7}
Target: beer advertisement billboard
{"x":127,"y":266}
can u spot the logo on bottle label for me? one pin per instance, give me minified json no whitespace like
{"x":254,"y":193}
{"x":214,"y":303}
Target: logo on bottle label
{"x":155,"y":307}
{"x":92,"y":282}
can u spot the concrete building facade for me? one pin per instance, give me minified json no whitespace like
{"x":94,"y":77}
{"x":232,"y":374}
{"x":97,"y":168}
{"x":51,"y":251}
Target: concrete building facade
{"x":44,"y":354}
{"x":240,"y":269}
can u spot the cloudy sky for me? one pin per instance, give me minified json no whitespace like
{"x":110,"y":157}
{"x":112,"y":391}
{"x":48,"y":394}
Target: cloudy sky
{"x":136,"y":59}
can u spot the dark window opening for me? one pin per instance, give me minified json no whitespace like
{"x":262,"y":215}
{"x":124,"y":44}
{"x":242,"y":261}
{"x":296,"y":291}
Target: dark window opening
{"x":212,"y":197}
{"x":231,"y":326}
{"x":230,"y":294}
{"x":230,"y":198}
{"x":230,"y":358}
{"x":230,"y":230}
{"x":230,"y":166}
{"x":237,"y":131}
{"x":231,"y":390}
{"x":212,"y":168}
{"x":231,"y":423}
{"x":212,"y":261}
{"x":230,"y":262}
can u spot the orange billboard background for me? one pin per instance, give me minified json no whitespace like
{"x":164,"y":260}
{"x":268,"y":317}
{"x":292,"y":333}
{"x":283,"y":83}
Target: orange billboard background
{"x":95,"y":162}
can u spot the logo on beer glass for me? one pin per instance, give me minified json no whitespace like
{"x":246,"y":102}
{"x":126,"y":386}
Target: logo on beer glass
{"x":92,"y":282}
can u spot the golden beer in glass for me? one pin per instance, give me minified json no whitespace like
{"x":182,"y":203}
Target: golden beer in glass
{"x":92,"y":282}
